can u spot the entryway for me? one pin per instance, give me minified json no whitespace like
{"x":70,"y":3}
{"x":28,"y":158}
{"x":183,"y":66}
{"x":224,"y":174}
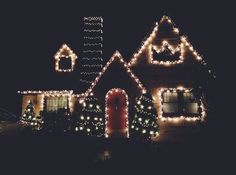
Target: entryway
{"x":116,"y":112}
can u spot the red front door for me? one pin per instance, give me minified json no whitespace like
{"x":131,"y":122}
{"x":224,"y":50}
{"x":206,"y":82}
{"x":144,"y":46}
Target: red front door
{"x":117,"y":113}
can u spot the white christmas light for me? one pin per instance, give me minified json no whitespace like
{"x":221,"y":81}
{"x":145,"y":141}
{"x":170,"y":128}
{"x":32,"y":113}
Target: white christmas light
{"x":65,"y":52}
{"x":115,"y":56}
{"x":180,"y":118}
{"x":150,"y":40}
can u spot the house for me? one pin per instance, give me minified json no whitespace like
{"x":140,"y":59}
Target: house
{"x":166,"y":65}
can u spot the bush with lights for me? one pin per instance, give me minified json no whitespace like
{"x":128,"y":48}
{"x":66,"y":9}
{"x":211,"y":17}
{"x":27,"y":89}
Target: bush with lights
{"x":29,"y":117}
{"x":90,"y":122}
{"x":56,"y":121}
{"x":144,"y":124}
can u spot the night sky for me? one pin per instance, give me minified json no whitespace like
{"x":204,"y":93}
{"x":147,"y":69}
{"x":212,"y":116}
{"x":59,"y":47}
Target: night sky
{"x":32,"y":32}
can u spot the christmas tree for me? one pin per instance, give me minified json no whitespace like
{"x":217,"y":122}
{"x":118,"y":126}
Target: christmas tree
{"x":144,"y":124}
{"x":90,"y":122}
{"x":29,"y":115}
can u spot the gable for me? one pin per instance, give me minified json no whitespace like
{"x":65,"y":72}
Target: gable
{"x":115,"y":73}
{"x":65,"y":53}
{"x":165,"y":35}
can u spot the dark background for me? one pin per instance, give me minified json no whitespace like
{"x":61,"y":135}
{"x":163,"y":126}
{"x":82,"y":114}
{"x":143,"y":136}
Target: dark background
{"x":31,"y":32}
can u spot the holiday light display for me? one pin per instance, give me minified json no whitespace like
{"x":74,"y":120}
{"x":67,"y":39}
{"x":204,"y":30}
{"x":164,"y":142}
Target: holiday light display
{"x":29,"y":116}
{"x":115,"y":56}
{"x":110,"y":93}
{"x":147,"y":46}
{"x":144,"y":124}
{"x":93,"y":18}
{"x":94,"y":24}
{"x":92,"y":51}
{"x":90,"y":122}
{"x":92,"y":61}
{"x":63,"y":93}
{"x":65,"y":52}
{"x":94,"y":38}
{"x":90,"y":31}
{"x":202,"y":111}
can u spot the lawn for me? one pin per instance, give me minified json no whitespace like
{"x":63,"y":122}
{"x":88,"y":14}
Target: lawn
{"x":23,"y":152}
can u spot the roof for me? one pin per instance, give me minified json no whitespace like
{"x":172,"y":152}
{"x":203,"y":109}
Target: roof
{"x":115,"y":56}
{"x":150,"y":44}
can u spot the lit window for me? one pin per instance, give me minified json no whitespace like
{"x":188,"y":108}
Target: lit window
{"x":190,"y":104}
{"x":55,"y":103}
{"x":65,"y":59}
{"x":170,"y":102}
{"x":179,"y":103}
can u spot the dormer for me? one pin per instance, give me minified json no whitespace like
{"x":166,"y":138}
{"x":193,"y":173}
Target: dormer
{"x":65,"y":59}
{"x":165,"y":46}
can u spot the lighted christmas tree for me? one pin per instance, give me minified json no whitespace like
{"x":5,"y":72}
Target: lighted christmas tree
{"x":90,"y":122}
{"x":144,"y":124}
{"x":29,"y":115}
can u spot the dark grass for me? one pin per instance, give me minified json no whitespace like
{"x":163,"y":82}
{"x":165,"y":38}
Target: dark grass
{"x":27,"y":153}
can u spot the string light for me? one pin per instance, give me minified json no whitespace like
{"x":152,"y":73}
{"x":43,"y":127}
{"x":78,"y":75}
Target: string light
{"x":115,"y":56}
{"x":85,"y":81}
{"x":93,"y":58}
{"x":111,"y":92}
{"x":147,"y":46}
{"x":64,"y":93}
{"x":93,"y":44}
{"x":92,"y":65}
{"x":65,"y":52}
{"x":202,"y":112}
{"x":93,"y":38}
{"x":94,"y":18}
{"x":89,"y":73}
{"x":93,"y":30}
{"x":92,"y":51}
{"x":94,"y":24}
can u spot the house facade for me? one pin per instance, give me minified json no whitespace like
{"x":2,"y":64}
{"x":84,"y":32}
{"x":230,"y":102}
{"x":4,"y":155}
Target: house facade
{"x":166,"y":65}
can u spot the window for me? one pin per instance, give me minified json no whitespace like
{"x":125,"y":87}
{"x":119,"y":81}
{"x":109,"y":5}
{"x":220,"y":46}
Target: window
{"x":190,"y":104}
{"x":55,"y":103}
{"x":65,"y":59}
{"x":170,"y":102}
{"x":65,"y":63}
{"x":179,"y":103}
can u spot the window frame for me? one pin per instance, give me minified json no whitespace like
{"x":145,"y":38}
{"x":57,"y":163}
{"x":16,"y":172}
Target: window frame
{"x":181,"y":104}
{"x":58,"y":101}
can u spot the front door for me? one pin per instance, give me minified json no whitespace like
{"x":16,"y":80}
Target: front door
{"x":116,"y":113}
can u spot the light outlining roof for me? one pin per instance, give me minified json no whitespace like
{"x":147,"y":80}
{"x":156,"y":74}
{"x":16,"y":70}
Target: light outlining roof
{"x":65,"y":51}
{"x":115,"y":56}
{"x":46,"y":92}
{"x":147,"y":42}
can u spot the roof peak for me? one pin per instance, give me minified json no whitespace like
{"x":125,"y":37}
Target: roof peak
{"x":115,"y":56}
